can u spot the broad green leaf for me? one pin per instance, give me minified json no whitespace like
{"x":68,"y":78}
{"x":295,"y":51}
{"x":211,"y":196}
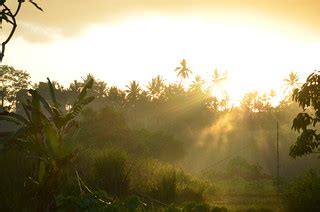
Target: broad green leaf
{"x":26,"y":111}
{"x":35,"y":103}
{"x":45,"y":104}
{"x":70,"y":142}
{"x":52,"y":140}
{"x":83,"y":93}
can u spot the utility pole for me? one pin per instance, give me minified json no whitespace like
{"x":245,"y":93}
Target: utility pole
{"x":278,"y":165}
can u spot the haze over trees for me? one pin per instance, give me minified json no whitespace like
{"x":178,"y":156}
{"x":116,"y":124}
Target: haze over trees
{"x":165,"y":143}
{"x":159,"y":146}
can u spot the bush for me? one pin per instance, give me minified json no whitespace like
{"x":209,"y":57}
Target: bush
{"x":166,"y":188}
{"x":172,"y":185}
{"x":303,"y":194}
{"x":112,"y":173}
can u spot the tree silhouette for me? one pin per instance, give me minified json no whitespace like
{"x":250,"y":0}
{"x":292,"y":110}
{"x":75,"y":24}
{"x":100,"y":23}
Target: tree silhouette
{"x":11,"y":82}
{"x":217,"y":80}
{"x":183,"y":71}
{"x":308,"y":97}
{"x":197,"y":84}
{"x":249,"y":101}
{"x":156,"y":87}
{"x":133,"y":91}
{"x":290,"y":83}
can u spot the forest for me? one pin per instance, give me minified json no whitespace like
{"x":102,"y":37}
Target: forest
{"x":157,"y":147}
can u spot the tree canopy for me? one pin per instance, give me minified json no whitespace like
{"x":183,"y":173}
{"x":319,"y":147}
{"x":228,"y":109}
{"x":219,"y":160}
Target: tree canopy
{"x":308,"y":97}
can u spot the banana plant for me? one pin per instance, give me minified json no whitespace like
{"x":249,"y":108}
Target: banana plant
{"x":47,"y":134}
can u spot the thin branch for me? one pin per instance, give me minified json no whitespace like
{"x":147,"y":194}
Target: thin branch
{"x":18,"y":8}
{"x":14,"y":26}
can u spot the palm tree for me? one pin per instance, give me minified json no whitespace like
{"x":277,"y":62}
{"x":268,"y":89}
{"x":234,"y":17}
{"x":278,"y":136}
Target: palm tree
{"x":292,"y":81}
{"x":133,"y":91}
{"x":50,"y":137}
{"x":197,"y":84}
{"x":183,"y":71}
{"x":156,"y":87}
{"x":218,"y":79}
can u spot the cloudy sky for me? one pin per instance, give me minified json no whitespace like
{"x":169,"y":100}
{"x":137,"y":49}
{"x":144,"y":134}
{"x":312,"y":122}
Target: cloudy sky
{"x":257,"y":41}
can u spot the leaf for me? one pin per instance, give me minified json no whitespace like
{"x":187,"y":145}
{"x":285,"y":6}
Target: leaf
{"x":45,"y":104}
{"x":11,"y":119}
{"x":83,"y":92}
{"x":36,"y":5}
{"x":26,"y":111}
{"x":52,"y":93}
{"x":35,"y":104}
{"x":70,"y":143}
{"x":52,"y":140}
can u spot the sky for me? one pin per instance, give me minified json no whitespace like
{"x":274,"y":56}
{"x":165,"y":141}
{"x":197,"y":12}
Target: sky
{"x":258,"y":42}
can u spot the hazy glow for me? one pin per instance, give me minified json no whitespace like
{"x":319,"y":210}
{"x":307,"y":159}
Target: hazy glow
{"x":256,"y":57}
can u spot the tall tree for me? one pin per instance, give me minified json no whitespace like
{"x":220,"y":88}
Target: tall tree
{"x":249,"y":102}
{"x":183,"y":70}
{"x":156,"y":87}
{"x":292,"y":81}
{"x":133,"y":91}
{"x":217,"y":80}
{"x":290,"y":84}
{"x":11,"y":82}
{"x":197,"y":84}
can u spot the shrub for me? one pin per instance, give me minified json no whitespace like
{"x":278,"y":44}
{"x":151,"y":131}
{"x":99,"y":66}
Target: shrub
{"x":303,"y":194}
{"x":166,"y":188}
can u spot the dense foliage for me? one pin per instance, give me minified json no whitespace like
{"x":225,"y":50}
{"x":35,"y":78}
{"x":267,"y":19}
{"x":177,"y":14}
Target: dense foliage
{"x":163,"y":146}
{"x":308,"y":97}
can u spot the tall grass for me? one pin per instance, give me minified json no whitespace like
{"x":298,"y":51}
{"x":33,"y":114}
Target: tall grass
{"x":112,"y":172}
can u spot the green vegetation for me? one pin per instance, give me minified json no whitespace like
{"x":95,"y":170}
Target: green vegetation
{"x":164,"y":148}
{"x":303,"y":193}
